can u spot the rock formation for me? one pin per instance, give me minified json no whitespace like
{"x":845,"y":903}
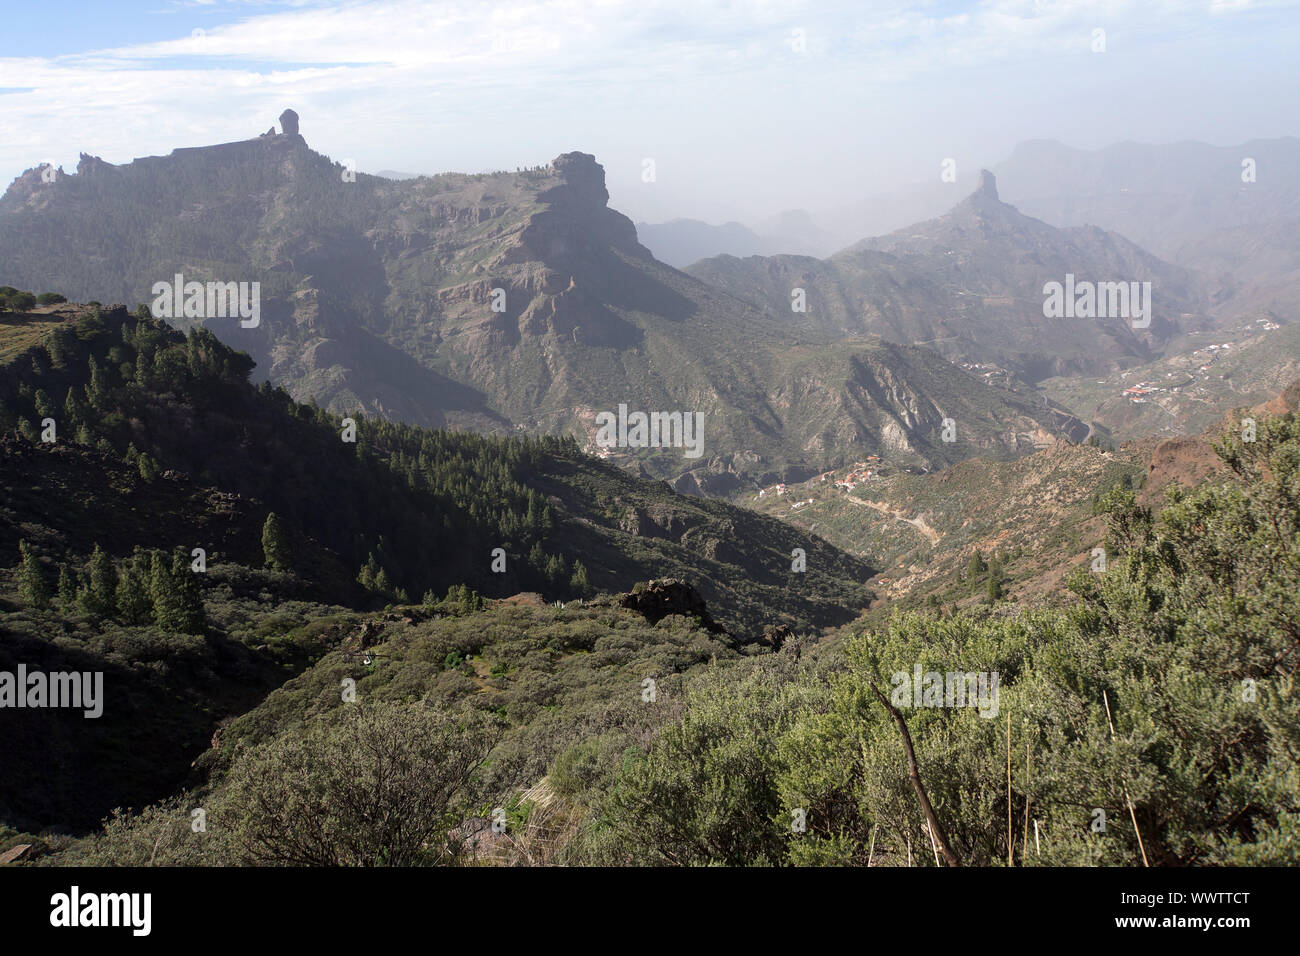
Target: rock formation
{"x":667,"y":596}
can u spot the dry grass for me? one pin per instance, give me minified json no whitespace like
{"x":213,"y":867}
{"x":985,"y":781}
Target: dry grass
{"x":21,"y":331}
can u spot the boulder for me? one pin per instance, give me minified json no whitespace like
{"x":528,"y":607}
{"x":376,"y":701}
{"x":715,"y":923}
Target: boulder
{"x":666,"y":596}
{"x":776,"y":636}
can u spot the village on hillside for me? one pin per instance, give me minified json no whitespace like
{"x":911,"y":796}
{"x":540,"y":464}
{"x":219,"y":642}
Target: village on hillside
{"x":860,"y":473}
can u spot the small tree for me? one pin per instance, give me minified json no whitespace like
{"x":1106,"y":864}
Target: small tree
{"x":275,"y":544}
{"x":61,"y":344}
{"x":67,"y":587}
{"x":134,"y":602}
{"x":189,"y":595}
{"x":103,"y":584}
{"x":31,"y":579}
{"x":44,"y":405}
{"x":177,"y":600}
{"x":74,"y":407}
{"x":22,"y":302}
{"x":579,"y":583}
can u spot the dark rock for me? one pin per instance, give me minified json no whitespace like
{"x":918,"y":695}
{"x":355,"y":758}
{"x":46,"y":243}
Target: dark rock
{"x":90,"y":165}
{"x":370,"y":632}
{"x":666,"y":596}
{"x":776,"y":636}
{"x":289,"y":123}
{"x":584,"y":181}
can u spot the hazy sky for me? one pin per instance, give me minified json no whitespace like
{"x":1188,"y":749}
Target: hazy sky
{"x":746,"y":107}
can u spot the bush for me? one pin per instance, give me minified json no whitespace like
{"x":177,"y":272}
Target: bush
{"x":377,"y":784}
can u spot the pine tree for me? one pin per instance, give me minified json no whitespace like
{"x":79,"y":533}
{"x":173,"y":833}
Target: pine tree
{"x":556,"y":572}
{"x":159,"y":587}
{"x":275,"y":544}
{"x":579,"y":583}
{"x":189,"y":595}
{"x":74,"y":407}
{"x":44,"y":405}
{"x":368,"y":573}
{"x":86,"y":603}
{"x":97,"y":390}
{"x":31,"y":579}
{"x":60,"y":345}
{"x":177,"y":598}
{"x":143,"y":369}
{"x":103,"y":584}
{"x":67,"y":587}
{"x":134,"y":603}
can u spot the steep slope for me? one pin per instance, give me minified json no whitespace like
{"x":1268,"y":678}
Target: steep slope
{"x":495,"y":302}
{"x":125,"y":445}
{"x":427,"y":508}
{"x":1029,"y":522}
{"x":970,"y":285}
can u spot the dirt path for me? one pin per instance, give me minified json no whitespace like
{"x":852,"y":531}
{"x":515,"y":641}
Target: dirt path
{"x":918,"y":523}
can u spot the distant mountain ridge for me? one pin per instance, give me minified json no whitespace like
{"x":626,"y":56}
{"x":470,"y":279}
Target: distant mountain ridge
{"x":970,"y":285}
{"x":496,"y":302}
{"x":680,"y":242}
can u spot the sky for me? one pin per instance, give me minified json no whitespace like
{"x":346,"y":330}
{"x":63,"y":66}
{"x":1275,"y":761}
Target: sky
{"x":745,"y":107}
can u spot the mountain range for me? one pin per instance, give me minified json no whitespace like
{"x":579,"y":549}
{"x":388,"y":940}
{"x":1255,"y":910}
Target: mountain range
{"x":970,"y":285}
{"x":1231,"y":213}
{"x":508,"y":302}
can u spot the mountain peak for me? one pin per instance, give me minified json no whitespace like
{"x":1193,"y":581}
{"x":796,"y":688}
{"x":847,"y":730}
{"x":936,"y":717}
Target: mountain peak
{"x":584,"y":181}
{"x":988,"y":188}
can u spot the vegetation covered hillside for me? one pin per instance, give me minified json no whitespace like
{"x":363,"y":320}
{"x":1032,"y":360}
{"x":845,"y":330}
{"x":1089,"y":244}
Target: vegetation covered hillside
{"x":196,"y":537}
{"x":1152,"y":721}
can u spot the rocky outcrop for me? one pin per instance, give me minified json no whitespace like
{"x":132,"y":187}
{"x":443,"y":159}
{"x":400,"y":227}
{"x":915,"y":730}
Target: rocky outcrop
{"x":666,"y":596}
{"x":584,"y":183}
{"x":289,"y":123}
{"x":776,"y":636}
{"x":90,"y":165}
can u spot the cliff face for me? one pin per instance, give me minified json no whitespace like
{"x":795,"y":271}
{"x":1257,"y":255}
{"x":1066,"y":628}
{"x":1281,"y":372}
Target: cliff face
{"x":500,"y":302}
